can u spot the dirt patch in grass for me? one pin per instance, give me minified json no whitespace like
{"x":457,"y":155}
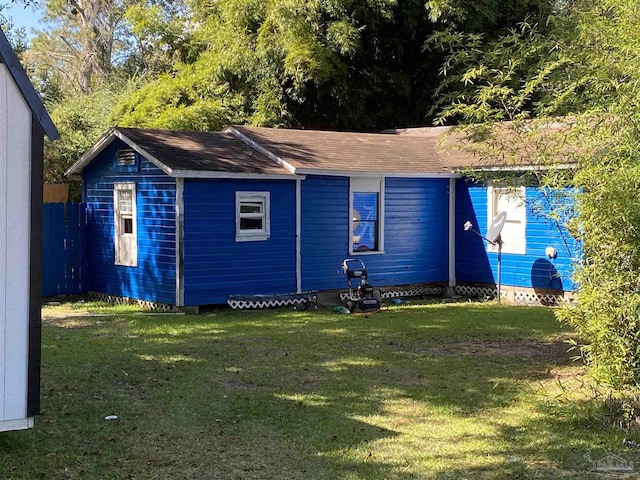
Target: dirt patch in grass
{"x":556,"y":349}
{"x":71,"y":322}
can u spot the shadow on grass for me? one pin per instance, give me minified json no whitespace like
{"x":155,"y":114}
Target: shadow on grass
{"x":562,"y":443}
{"x":413,"y":392}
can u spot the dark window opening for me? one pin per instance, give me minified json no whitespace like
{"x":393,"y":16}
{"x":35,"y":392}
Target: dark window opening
{"x":249,"y":207}
{"x":251,"y":224}
{"x":127,"y":225}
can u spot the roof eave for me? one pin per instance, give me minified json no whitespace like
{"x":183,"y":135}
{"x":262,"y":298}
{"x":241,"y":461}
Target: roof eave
{"x":103,"y":142}
{"x":516,"y":168}
{"x":372,"y":173}
{"x":114,"y":133}
{"x":233,"y":175}
{"x":90,"y":154}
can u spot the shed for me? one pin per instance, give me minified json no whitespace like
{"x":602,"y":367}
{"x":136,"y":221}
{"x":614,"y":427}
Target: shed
{"x":190,"y":218}
{"x":23,"y":124}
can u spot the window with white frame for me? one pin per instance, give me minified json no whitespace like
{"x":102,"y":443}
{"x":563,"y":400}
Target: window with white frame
{"x":367,"y":215}
{"x":512,"y":201}
{"x":126,"y":238}
{"x":252,"y":216}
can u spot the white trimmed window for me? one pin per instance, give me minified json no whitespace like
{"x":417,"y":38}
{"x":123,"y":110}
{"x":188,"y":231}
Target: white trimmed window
{"x":126,"y":237}
{"x":512,"y":201}
{"x":366,"y":210}
{"x":252,"y":216}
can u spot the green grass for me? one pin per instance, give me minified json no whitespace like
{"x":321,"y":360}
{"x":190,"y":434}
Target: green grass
{"x":420,"y":391}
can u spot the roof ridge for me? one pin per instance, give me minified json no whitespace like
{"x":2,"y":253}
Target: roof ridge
{"x":260,"y":148}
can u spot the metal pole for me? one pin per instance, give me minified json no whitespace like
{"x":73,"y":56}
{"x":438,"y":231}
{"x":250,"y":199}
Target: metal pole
{"x":499,"y":241}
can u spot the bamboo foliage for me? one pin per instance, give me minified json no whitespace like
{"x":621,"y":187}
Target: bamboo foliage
{"x":579,"y":70}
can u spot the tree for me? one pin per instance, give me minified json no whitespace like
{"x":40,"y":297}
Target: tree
{"x":161,"y":35}
{"x":88,"y":59}
{"x":202,"y":64}
{"x":315,"y":64}
{"x":17,"y":36}
{"x":81,"y":120}
{"x":585,"y":70}
{"x":486,"y":16}
{"x":606,"y":47}
{"x":85,"y":41}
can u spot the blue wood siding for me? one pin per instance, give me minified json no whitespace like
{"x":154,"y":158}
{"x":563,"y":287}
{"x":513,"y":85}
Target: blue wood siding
{"x":215,"y":265}
{"x":474,"y":263}
{"x":415,"y":231}
{"x":64,"y":259}
{"x":154,"y":279}
{"x":325,"y":231}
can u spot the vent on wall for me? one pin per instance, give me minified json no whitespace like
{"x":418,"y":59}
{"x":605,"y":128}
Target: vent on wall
{"x":126,"y":156}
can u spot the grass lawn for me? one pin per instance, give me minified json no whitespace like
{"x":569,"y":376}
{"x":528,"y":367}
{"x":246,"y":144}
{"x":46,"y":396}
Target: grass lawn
{"x":431,"y":391}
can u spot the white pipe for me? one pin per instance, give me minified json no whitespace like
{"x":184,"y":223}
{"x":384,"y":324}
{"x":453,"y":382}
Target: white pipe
{"x":452,"y":232}
{"x":298,"y":236}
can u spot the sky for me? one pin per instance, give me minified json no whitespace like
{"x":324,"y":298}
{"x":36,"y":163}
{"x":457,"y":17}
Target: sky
{"x":22,"y":17}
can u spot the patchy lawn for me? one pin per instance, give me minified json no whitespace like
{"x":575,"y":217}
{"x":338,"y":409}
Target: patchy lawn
{"x":415,"y":392}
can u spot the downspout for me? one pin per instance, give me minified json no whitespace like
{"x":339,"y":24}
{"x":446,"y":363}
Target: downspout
{"x":452,"y":237}
{"x":298,"y":235}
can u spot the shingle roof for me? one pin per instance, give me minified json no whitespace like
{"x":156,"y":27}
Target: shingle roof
{"x":313,"y":151}
{"x":183,"y":154}
{"x":243,"y":150}
{"x":448,"y":143}
{"x":506,"y":149}
{"x":202,"y":151}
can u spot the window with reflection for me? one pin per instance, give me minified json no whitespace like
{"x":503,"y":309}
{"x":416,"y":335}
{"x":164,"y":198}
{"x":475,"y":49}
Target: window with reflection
{"x":252,"y":216}
{"x":366,"y":215}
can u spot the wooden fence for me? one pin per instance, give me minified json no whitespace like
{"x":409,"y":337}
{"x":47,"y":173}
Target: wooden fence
{"x":64,"y":249}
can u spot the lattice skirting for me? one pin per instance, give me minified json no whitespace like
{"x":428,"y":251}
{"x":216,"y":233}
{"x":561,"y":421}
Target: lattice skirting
{"x":153,"y":306}
{"x":518,"y":295}
{"x":480,"y":291}
{"x":543,"y":298}
{"x":240,"y":302}
{"x":408,"y":292}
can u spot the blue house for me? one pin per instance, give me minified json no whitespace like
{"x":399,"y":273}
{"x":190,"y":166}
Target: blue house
{"x":538,"y":253}
{"x":191,"y":218}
